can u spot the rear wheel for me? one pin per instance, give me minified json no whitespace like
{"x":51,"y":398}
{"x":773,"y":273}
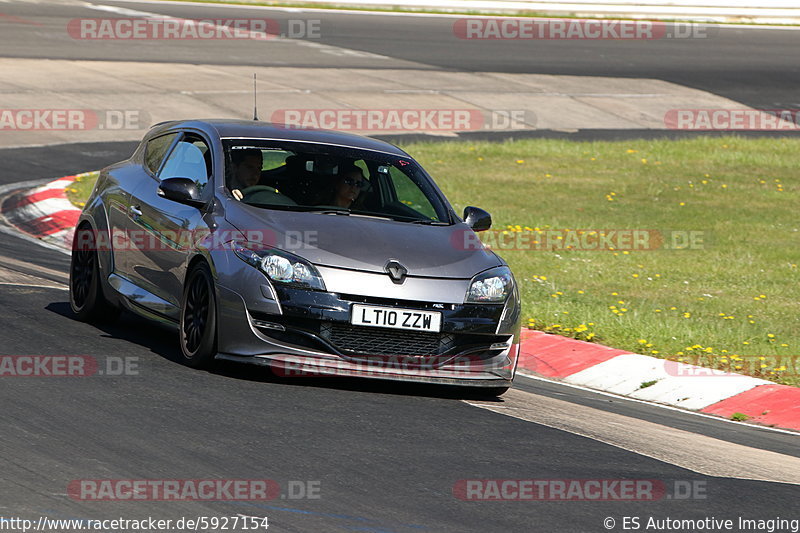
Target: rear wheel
{"x":85,"y":292}
{"x":198,"y":324}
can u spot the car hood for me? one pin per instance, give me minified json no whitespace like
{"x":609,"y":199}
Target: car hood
{"x":367,"y":244}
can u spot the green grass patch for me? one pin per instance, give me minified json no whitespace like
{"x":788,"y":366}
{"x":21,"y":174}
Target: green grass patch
{"x":81,"y":188}
{"x":730,"y":302}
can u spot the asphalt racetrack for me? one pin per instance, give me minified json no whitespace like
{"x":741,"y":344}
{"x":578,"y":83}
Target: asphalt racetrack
{"x":348,"y":454}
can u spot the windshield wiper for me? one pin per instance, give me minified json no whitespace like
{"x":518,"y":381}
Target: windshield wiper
{"x":325,"y":210}
{"x":429,"y":222}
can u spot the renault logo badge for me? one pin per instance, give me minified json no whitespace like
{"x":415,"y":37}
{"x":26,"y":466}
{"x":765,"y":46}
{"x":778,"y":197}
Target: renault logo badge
{"x":396,"y":271}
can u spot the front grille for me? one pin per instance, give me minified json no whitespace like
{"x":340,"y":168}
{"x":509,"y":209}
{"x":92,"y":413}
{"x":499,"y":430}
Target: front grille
{"x":375,"y":341}
{"x":346,"y":339}
{"x":394,"y":302}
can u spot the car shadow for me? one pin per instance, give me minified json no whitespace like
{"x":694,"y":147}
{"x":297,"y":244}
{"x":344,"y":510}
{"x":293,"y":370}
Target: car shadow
{"x":249,"y":372}
{"x":161,"y":340}
{"x":132,"y":328}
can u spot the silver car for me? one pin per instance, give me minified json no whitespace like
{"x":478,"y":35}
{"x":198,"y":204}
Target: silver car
{"x":312,"y":252}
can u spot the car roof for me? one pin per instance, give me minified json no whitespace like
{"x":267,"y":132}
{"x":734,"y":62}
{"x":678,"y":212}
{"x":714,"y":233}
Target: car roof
{"x":252,"y":129}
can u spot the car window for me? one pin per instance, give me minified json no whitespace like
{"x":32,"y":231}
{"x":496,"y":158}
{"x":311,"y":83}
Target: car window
{"x":408,"y":193}
{"x":156,"y":149}
{"x":274,"y":159}
{"x":317,"y":177}
{"x":189,"y":159}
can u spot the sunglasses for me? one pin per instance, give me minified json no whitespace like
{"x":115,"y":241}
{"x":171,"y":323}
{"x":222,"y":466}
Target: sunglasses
{"x":361,"y":184}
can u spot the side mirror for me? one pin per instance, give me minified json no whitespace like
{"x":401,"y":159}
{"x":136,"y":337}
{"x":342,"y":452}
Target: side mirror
{"x":181,"y":190}
{"x":477,"y":219}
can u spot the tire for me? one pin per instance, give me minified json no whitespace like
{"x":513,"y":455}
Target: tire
{"x":85,"y":292}
{"x":198,"y":324}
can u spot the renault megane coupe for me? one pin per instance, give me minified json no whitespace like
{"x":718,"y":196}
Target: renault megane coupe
{"x":312,"y":252}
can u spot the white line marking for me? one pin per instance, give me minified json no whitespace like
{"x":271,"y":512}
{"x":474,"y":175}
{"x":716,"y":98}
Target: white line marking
{"x":322,"y":48}
{"x":699,"y":453}
{"x":653,"y":404}
{"x":35,"y":285}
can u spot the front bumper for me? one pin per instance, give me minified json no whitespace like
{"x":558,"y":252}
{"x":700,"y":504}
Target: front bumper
{"x":308,"y":333}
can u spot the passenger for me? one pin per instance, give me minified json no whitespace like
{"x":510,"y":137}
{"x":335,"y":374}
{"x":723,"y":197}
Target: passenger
{"x":247,"y":164}
{"x":348,"y":186}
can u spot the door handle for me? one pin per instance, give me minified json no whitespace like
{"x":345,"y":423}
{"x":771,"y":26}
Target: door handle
{"x":135,"y":211}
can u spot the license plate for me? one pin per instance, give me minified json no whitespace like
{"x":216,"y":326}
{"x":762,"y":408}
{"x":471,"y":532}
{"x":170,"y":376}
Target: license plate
{"x":390,"y":317}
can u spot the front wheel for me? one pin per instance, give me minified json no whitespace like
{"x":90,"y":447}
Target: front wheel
{"x":198,"y":324}
{"x":85,"y":293}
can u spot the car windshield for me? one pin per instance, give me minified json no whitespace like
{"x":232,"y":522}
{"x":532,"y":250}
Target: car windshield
{"x":333,"y":180}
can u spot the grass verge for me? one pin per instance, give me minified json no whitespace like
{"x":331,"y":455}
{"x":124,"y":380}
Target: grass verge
{"x":81,"y":188}
{"x":724,"y":296}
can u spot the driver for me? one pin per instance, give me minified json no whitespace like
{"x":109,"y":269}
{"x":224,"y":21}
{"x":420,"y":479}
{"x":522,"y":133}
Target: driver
{"x":246,"y":173}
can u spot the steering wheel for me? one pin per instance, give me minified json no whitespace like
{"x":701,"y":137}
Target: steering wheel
{"x":255,"y":189}
{"x":264,"y":194}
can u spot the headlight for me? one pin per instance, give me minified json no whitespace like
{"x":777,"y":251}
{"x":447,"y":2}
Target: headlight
{"x":280,"y":266}
{"x":492,"y":286}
